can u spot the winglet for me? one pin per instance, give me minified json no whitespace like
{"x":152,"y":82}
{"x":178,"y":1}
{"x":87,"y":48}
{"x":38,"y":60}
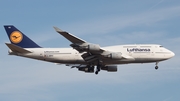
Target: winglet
{"x":57,"y":29}
{"x":69,"y":36}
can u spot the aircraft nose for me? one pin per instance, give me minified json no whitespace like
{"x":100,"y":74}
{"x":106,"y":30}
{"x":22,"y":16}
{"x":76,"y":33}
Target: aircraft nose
{"x":172,"y":54}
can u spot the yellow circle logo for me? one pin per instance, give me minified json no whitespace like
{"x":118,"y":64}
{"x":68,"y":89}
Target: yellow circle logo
{"x":16,"y":37}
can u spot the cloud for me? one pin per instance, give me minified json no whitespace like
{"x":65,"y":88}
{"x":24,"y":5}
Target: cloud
{"x":136,"y":37}
{"x":156,"y":4}
{"x":113,"y":23}
{"x":20,"y":75}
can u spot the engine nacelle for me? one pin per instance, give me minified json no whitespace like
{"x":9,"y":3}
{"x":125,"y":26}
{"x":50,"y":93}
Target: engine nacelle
{"x":93,"y":47}
{"x":116,"y":55}
{"x":113,"y":55}
{"x":110,"y":68}
{"x":86,"y":47}
{"x":86,"y":69}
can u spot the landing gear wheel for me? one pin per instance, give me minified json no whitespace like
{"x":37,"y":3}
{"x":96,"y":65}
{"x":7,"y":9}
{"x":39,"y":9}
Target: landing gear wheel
{"x":96,"y":72}
{"x":98,"y":68}
{"x":91,"y":69}
{"x":156,"y":67}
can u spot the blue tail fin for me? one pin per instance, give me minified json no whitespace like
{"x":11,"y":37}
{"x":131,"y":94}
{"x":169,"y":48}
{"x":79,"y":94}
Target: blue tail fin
{"x":18,"y":38}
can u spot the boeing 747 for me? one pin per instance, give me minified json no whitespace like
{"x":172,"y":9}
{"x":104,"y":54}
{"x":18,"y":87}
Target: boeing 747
{"x":85,"y":56}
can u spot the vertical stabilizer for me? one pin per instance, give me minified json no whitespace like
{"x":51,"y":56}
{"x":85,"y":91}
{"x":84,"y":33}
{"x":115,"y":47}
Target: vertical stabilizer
{"x":18,"y":38}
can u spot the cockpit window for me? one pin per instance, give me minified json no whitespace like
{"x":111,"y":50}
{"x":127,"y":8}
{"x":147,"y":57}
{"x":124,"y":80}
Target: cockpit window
{"x":160,"y":46}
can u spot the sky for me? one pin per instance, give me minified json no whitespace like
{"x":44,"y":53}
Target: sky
{"x":104,"y":22}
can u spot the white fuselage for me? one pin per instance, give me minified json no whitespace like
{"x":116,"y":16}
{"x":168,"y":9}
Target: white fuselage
{"x":144,"y":53}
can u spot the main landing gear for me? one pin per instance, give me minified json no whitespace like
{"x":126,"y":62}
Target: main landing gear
{"x":91,"y":69}
{"x":156,"y":67}
{"x":98,"y":68}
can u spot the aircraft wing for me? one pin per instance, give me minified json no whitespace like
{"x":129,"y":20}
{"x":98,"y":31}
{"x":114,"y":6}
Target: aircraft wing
{"x":91,"y":52}
{"x":69,"y":36}
{"x":79,"y":44}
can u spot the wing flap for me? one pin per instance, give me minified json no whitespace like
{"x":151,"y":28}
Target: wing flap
{"x":89,"y":58}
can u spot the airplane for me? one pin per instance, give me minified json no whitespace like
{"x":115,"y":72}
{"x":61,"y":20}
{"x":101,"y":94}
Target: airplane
{"x":85,"y":56}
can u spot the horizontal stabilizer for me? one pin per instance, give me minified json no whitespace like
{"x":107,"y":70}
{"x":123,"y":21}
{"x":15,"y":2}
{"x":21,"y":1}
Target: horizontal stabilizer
{"x":17,"y":49}
{"x":69,"y":36}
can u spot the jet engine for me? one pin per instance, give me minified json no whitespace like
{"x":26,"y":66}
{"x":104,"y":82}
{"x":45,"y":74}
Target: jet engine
{"x":86,"y":69}
{"x":116,"y":55}
{"x":110,"y":68}
{"x":113,"y":55}
{"x":93,"y":47}
{"x":86,"y":47}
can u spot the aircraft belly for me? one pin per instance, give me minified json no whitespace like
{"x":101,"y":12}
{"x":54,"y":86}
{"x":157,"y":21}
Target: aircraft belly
{"x":136,"y":60}
{"x":71,"y":59}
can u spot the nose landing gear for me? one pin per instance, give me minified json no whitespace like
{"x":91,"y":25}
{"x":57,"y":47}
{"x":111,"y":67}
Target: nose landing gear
{"x":156,"y":67}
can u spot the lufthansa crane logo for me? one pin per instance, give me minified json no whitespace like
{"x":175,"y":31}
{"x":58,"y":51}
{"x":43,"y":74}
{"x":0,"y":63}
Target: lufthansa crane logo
{"x":16,"y":37}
